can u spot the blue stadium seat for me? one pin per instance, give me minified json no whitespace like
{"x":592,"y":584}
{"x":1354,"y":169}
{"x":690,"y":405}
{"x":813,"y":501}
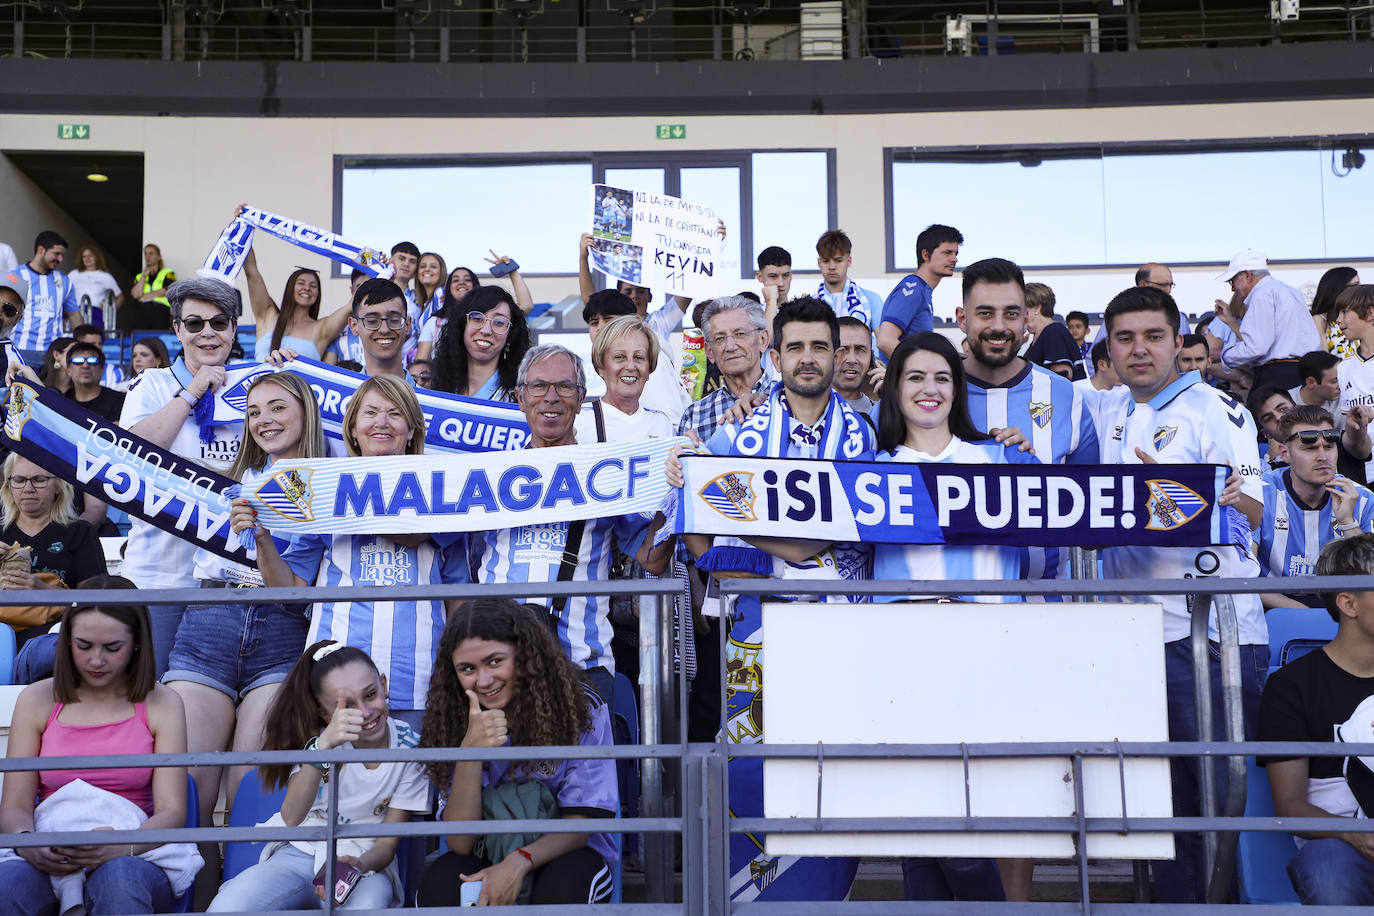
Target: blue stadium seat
{"x":183,"y":903}
{"x":1295,"y":631}
{"x":1262,"y":858}
{"x":252,"y":805}
{"x":625,"y":726}
{"x":7,"y":649}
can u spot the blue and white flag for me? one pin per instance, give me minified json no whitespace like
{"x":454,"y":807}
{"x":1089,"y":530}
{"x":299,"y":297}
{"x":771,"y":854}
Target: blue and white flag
{"x":113,"y":465}
{"x":226,"y":259}
{"x":411,"y":494}
{"x":1156,"y":505}
{"x":453,"y":423}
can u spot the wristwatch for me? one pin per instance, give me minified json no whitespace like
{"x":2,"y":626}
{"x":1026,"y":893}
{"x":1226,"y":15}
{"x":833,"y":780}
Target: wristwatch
{"x":314,"y":745}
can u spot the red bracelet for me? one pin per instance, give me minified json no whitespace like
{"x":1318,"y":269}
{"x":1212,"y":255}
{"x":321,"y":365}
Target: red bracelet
{"x":528,"y":858}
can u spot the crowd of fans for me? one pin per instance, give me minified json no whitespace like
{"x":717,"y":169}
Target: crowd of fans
{"x":1273,"y":387}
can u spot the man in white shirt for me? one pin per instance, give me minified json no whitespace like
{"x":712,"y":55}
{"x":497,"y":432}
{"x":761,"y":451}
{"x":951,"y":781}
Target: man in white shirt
{"x":1277,"y":328}
{"x":1160,"y":417}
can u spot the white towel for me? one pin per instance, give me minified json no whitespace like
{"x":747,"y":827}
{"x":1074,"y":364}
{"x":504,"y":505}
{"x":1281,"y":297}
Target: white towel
{"x":81,"y":806}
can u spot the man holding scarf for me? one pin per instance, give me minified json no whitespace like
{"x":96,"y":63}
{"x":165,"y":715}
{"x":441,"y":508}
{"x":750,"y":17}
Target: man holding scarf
{"x":174,"y":408}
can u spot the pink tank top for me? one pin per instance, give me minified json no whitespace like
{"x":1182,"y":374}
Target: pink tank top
{"x":128,"y":736}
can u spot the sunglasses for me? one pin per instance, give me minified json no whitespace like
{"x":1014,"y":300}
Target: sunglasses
{"x":1310,"y":436}
{"x":195,"y":325}
{"x":9,"y":310}
{"x":83,"y":361}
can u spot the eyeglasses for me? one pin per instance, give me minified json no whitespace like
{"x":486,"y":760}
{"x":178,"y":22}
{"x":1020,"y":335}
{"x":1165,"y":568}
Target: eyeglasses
{"x":719,"y":340}
{"x":9,"y":310}
{"x":1167,"y":287}
{"x":194,"y":324}
{"x":39,"y":481}
{"x":564,"y":389}
{"x":373,"y":322}
{"x":500,"y":323}
{"x":1310,"y":436}
{"x":420,"y":377}
{"x":85,"y":360}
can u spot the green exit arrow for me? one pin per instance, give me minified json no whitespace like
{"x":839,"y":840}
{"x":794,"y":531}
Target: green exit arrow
{"x":73,"y":131}
{"x":671,"y":131}
{"x":82,"y":131}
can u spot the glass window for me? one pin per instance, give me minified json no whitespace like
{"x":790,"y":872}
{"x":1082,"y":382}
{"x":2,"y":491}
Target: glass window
{"x":719,"y":189}
{"x":648,"y":180}
{"x":1129,"y":208}
{"x":534,"y":213}
{"x":791,"y":204}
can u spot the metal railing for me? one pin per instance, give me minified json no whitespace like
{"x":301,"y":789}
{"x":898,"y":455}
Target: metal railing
{"x":670,"y":30}
{"x":705,"y":823}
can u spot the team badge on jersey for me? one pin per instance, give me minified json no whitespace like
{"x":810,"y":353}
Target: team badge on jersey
{"x":288,"y":492}
{"x":731,"y":495}
{"x":1171,"y":504}
{"x":1163,"y":436}
{"x":1040,"y":414}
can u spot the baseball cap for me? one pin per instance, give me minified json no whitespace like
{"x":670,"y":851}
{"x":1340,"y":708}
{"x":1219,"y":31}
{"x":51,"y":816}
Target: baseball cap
{"x":13,"y":280}
{"x":1249,"y":259}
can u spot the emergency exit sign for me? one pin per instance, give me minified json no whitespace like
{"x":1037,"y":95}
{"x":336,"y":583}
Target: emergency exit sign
{"x":73,"y":131}
{"x":672,"y":131}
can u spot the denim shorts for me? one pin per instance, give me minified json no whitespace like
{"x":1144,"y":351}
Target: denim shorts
{"x":235,"y":648}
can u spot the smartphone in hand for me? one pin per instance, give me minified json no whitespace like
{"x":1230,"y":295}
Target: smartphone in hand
{"x":346,"y":877}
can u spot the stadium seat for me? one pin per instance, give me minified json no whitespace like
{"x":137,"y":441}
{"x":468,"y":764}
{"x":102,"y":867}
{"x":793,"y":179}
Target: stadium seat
{"x":252,"y":805}
{"x":183,"y":903}
{"x":7,"y":649}
{"x":1262,"y":858}
{"x":625,"y":726}
{"x":1295,"y":631}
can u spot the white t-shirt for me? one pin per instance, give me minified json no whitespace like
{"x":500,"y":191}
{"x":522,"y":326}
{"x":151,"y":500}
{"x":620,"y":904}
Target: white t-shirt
{"x":7,"y":257}
{"x":1355,"y":375}
{"x":154,"y":558}
{"x":645,"y":423}
{"x":90,"y":287}
{"x":1189,"y":422}
{"x":664,"y":390}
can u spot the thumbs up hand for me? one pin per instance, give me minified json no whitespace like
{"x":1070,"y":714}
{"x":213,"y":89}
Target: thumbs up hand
{"x":345,"y":725}
{"x":486,"y":727}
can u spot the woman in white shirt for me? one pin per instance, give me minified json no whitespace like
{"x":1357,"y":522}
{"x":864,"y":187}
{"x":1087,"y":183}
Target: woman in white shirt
{"x":94,"y":287}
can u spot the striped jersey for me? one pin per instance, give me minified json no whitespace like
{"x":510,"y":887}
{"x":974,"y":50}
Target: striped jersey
{"x":1055,"y":417}
{"x":937,"y":562}
{"x":1292,"y":534}
{"x":534,"y":554}
{"x":51,"y":296}
{"x":1188,"y":422}
{"x":401,"y":637}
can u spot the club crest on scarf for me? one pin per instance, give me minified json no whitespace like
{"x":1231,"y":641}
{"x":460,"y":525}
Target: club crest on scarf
{"x":732,"y":496}
{"x":1171,"y":504}
{"x":1163,"y":436}
{"x":18,"y":409}
{"x":288,"y":493}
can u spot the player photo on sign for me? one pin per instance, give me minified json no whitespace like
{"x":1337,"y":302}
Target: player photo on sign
{"x":653,"y":240}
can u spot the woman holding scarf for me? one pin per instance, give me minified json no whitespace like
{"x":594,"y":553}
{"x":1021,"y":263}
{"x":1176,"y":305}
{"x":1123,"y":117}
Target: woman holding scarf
{"x":173,"y":408}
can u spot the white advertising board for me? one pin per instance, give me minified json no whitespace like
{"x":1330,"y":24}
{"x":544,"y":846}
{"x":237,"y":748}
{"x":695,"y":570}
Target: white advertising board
{"x":950,"y":673}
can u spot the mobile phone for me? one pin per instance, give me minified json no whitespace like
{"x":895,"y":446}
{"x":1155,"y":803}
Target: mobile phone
{"x":468,"y":892}
{"x":346,"y":877}
{"x":502,"y":268}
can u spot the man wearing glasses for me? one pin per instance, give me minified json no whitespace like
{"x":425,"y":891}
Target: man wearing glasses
{"x":550,"y":387}
{"x":381,"y":322}
{"x":1277,"y":328}
{"x":1307,"y":503}
{"x":736,"y":339}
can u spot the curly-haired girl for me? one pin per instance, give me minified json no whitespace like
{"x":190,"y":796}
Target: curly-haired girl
{"x":334,"y":696}
{"x":502,"y":678}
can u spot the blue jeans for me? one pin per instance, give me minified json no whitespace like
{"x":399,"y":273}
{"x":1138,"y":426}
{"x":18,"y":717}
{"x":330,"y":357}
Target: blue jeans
{"x":1331,"y":872}
{"x":951,"y":879}
{"x":235,"y":648}
{"x":1184,"y":880}
{"x":166,"y":620}
{"x":286,"y":882}
{"x":123,"y":885}
{"x":36,"y":659}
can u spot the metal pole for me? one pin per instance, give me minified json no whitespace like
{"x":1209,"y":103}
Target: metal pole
{"x":656,"y":887}
{"x":307,"y":43}
{"x":1233,"y":707}
{"x":1202,"y":699}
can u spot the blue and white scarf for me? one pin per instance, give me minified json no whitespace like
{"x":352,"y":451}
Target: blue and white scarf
{"x":771,"y":431}
{"x":204,"y":410}
{"x":231,"y":249}
{"x":855,"y":304}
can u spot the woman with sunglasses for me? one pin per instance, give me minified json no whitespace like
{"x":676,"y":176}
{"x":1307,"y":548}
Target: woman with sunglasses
{"x":173,"y":408}
{"x":480,"y":355}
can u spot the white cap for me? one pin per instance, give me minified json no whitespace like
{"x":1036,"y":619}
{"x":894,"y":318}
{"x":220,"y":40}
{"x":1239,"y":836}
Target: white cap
{"x":1249,"y":259}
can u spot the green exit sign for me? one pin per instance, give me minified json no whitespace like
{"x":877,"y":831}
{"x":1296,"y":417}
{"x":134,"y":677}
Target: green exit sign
{"x":672,"y":131}
{"x":73,"y":131}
